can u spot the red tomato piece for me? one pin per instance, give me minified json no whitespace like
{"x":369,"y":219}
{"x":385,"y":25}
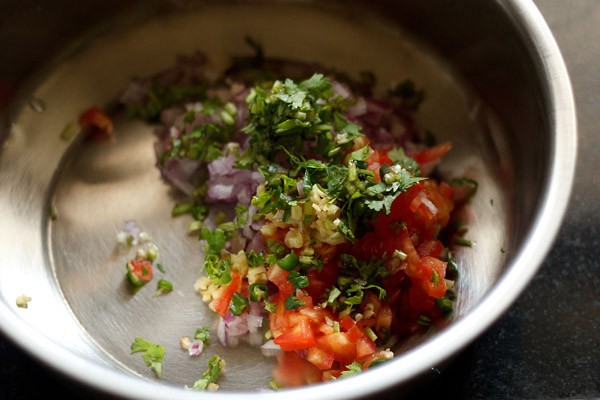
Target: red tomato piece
{"x":374,"y":161}
{"x":320,"y":281}
{"x":331,"y":374}
{"x":347,"y":322}
{"x":383,"y":319}
{"x":292,"y":370}
{"x":419,"y":300}
{"x":139,"y":272}
{"x":365,"y":347}
{"x":279,"y":277}
{"x":299,"y":336}
{"x":95,"y":124}
{"x":321,"y":358}
{"x":432,"y":248}
{"x":431,"y":154}
{"x":221,"y":303}
{"x":340,"y":345}
{"x":434,"y":271}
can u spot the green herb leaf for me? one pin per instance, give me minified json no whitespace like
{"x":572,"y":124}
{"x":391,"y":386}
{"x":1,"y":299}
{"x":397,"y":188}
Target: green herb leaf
{"x":153,"y":354}
{"x":299,"y":281}
{"x":163,"y":286}
{"x":203,"y":335}
{"x":211,"y":375}
{"x":352,"y":369}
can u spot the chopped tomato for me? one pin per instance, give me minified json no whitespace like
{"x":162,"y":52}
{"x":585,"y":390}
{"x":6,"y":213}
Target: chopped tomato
{"x":431,"y":248}
{"x":364,"y":347}
{"x":383,"y":320}
{"x":321,"y":358}
{"x":331,"y":374}
{"x":343,"y":349}
{"x":139,"y":272}
{"x":419,"y":300}
{"x":433,"y":271}
{"x":297,"y":337}
{"x":347,"y":322}
{"x":423,"y":208}
{"x":374,"y":161}
{"x":431,"y":154}
{"x":292,"y":370}
{"x":321,"y":280}
{"x":279,"y":277}
{"x":221,"y":303}
{"x":95,"y":124}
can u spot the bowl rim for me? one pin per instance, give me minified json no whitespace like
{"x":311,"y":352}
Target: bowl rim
{"x":515,"y":279}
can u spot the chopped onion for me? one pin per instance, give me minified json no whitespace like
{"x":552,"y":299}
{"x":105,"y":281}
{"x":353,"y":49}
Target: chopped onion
{"x":270,"y":349}
{"x":195,"y":349}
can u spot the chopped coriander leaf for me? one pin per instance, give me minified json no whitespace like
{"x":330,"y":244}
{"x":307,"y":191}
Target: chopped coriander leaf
{"x":203,"y":143}
{"x":203,"y":335}
{"x":53,"y":212}
{"x":181,"y":209}
{"x":299,"y":281}
{"x":215,"y":240}
{"x":160,"y":97}
{"x":163,"y":286}
{"x":467,"y":185}
{"x":366,"y":270}
{"x":352,"y":369}
{"x":377,"y":362}
{"x":218,"y":269}
{"x":463,"y":242}
{"x":290,"y":114}
{"x":153,"y":354}
{"x":255,"y":259}
{"x":241,"y":215}
{"x":398,"y":156}
{"x":216,"y":266}
{"x":209,"y":378}
{"x":160,"y":267}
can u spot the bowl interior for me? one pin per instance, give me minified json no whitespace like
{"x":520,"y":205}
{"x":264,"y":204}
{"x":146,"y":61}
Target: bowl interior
{"x":485,"y":92}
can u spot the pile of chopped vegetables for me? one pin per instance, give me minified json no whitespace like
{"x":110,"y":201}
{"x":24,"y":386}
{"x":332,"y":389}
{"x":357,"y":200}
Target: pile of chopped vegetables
{"x":327,"y":236}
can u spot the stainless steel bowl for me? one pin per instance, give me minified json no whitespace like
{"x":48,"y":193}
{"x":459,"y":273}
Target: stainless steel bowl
{"x":496,"y":85}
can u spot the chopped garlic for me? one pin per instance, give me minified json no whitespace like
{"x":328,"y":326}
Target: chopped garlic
{"x":23,"y":301}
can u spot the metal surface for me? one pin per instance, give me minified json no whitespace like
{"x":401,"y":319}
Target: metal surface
{"x":87,"y":319}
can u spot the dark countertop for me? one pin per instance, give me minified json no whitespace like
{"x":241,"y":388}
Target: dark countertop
{"x":547,"y":346}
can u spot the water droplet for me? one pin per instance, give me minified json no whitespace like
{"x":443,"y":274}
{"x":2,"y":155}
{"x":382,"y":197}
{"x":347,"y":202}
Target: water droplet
{"x":37,"y":105}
